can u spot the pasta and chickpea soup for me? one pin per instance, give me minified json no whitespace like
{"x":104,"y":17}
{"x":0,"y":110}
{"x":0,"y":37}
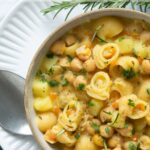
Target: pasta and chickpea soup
{"x":92,"y":89}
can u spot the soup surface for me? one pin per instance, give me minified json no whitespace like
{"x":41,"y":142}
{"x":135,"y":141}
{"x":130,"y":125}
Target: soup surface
{"x":92,"y":89}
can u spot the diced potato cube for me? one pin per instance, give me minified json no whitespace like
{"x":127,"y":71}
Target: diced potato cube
{"x":40,"y":88}
{"x":43,"y":104}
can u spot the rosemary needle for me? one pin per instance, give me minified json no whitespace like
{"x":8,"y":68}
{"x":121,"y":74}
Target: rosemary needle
{"x":92,"y":4}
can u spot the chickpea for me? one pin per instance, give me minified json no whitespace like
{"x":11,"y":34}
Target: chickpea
{"x":106,"y":131}
{"x":146,"y":66}
{"x":144,"y":142}
{"x":90,"y":129}
{"x":127,"y":132}
{"x":106,"y":114}
{"x":70,"y":40}
{"x":58,"y":47}
{"x":64,"y":62}
{"x":79,"y":80}
{"x":145,"y":37}
{"x":89,"y":65}
{"x":129,"y":145}
{"x":76,"y":65}
{"x":69,"y":76}
{"x":114,"y":141}
{"x":98,"y":140}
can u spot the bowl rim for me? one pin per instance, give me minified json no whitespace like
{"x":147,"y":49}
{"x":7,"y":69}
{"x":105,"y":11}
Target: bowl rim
{"x":117,"y":10}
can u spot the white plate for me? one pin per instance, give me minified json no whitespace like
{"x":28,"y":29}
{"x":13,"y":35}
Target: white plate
{"x":21,"y":33}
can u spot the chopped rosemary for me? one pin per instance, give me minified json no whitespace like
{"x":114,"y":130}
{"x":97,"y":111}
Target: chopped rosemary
{"x":132,"y":146}
{"x":81,"y":86}
{"x":131,"y":102}
{"x":116,"y":118}
{"x":107,"y":130}
{"x":77,"y":136}
{"x":109,"y":113}
{"x":95,"y":33}
{"x":129,"y":74}
{"x":105,"y":145}
{"x":121,"y":38}
{"x":126,"y":125}
{"x":95,"y":127}
{"x":148,"y":91}
{"x":50,"y":55}
{"x":64,"y":82}
{"x":60,"y":132}
{"x":102,"y":41}
{"x":70,"y":58}
{"x":53,"y":83}
{"x":90,"y":103}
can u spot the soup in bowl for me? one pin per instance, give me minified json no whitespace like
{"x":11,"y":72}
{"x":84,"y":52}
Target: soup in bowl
{"x":88,"y":86}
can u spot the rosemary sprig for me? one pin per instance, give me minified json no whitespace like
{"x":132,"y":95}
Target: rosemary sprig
{"x":56,"y":6}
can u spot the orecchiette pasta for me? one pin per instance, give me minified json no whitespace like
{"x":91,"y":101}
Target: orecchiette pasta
{"x":105,"y":55}
{"x":92,"y":89}
{"x":100,"y":86}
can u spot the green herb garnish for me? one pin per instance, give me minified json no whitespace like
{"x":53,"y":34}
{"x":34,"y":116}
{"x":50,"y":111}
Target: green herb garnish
{"x":131,"y":102}
{"x":105,"y":145}
{"x":50,"y":55}
{"x":81,"y":86}
{"x":70,"y":58}
{"x":132,"y":146}
{"x":77,"y":136}
{"x":95,"y":127}
{"x":148,"y":91}
{"x":107,"y":130}
{"x":95,"y":33}
{"x":64,"y":82}
{"x":116,"y":118}
{"x":90,"y":103}
{"x":129,"y":74}
{"x":121,"y":38}
{"x":102,"y":41}
{"x":51,"y":70}
{"x":109,"y":113}
{"x":53,"y":83}
{"x":126,"y":125}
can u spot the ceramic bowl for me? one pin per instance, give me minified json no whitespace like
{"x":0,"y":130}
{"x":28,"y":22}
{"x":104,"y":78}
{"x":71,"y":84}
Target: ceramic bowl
{"x":43,"y":49}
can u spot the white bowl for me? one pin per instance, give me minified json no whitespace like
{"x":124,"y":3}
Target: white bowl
{"x":28,"y":99}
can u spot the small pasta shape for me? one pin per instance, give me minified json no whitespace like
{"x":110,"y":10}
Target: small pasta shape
{"x":71,"y":116}
{"x":43,"y":104}
{"x":105,"y":55}
{"x":133,"y":107}
{"x":40,"y":89}
{"x":99,"y":86}
{"x":122,"y":86}
{"x":128,"y":62}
